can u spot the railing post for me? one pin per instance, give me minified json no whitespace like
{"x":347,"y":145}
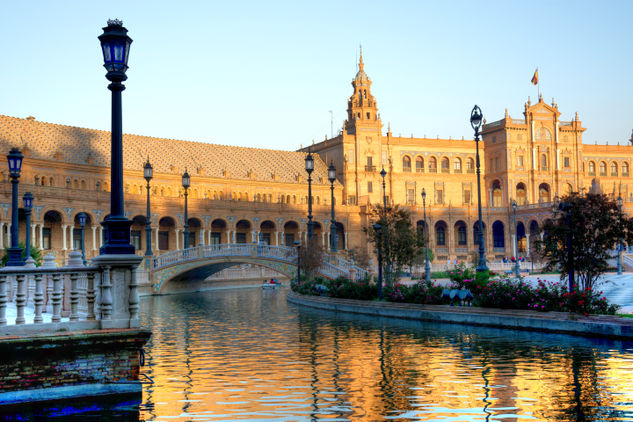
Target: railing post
{"x":90,"y":297}
{"x":74,"y":297}
{"x":133,"y":300}
{"x":105,"y":307}
{"x":3,"y":299}
{"x":57,"y":297}
{"x":38,"y":298}
{"x":20,"y":298}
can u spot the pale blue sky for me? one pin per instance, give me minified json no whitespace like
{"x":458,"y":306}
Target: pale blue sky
{"x":265,"y":74}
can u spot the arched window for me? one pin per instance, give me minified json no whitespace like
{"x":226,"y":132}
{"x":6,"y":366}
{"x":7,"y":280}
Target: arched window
{"x":543,"y":193}
{"x":432,"y":165}
{"x":440,"y":234}
{"x":614,"y":169}
{"x":470,"y":165}
{"x":497,"y":194}
{"x":543,"y":162}
{"x":521,"y":194}
{"x":625,"y":169}
{"x":592,"y":168}
{"x":603,"y":168}
{"x":419,"y":164}
{"x":460,"y":232}
{"x":457,"y":165}
{"x":498,"y":238}
{"x":406,"y":163}
{"x":445,"y":165}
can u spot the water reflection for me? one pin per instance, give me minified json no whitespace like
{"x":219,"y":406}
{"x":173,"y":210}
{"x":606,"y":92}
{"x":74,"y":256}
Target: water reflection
{"x":247,"y":354}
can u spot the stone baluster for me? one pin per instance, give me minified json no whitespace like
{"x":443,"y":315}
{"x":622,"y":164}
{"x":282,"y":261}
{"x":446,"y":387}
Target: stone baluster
{"x":3,"y":299}
{"x":74,"y":296}
{"x":90,"y":296}
{"x":38,"y":298}
{"x":57,"y":297}
{"x":105,"y":307}
{"x":20,"y":298}
{"x":133,"y":299}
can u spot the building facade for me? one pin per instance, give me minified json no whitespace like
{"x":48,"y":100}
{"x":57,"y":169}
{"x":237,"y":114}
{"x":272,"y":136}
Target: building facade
{"x":243,"y":195}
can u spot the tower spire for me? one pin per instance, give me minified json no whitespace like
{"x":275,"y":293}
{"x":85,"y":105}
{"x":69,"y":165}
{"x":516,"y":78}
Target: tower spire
{"x":361,"y":65}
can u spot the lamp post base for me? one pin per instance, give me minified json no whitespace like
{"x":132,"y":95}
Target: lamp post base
{"x":15,"y":257}
{"x":117,"y":236}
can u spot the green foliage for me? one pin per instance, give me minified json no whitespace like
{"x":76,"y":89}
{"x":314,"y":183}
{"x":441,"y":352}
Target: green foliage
{"x":36,"y":254}
{"x":420,"y":292}
{"x":399,"y":241}
{"x":341,"y":288}
{"x":311,"y":257}
{"x":596,"y":226}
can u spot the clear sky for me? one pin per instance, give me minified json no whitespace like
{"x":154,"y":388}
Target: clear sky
{"x":266,"y":73}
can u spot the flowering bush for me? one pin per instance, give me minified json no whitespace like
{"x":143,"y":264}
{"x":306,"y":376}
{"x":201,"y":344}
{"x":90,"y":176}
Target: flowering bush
{"x":420,"y":292}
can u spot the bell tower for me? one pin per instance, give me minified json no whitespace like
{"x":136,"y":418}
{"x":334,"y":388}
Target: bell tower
{"x":362,"y":110}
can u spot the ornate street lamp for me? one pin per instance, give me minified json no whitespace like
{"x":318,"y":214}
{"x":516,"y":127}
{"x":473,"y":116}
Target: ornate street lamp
{"x":82,"y":223}
{"x":476,"y":120}
{"x":298,"y":246}
{"x":115,"y":45}
{"x":28,"y":207}
{"x":148,"y":172}
{"x":186,"y":182}
{"x":427,"y":266}
{"x":15,"y":166}
{"x":378,"y":230}
{"x":516,"y":240}
{"x":310,"y":168}
{"x":331,"y":175}
{"x":620,"y":246}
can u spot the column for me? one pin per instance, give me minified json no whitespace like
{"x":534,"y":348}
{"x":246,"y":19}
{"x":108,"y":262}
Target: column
{"x":177,"y":238}
{"x":64,"y":237}
{"x":202,"y":237}
{"x":276,"y":238}
{"x":328,"y":241}
{"x":33,"y":233}
{"x":94,"y":238}
{"x":323,"y":241}
{"x":234,"y":241}
{"x":254,"y":237}
{"x":527,"y":244}
{"x":282,"y":241}
{"x":346,"y":241}
{"x":100,"y":236}
{"x":7,"y":241}
{"x":156,"y":239}
{"x":514,"y":247}
{"x":300,"y":236}
{"x":2,"y":235}
{"x":209,"y":237}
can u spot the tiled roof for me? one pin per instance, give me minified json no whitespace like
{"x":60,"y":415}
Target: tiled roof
{"x":49,"y":141}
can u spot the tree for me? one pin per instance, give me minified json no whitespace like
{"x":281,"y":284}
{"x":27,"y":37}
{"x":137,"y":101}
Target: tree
{"x":311,"y":257}
{"x":596,"y":227}
{"x":400,"y":242}
{"x":36,"y":254}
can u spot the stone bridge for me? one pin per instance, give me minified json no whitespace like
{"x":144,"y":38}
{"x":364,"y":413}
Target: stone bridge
{"x":202,"y":261}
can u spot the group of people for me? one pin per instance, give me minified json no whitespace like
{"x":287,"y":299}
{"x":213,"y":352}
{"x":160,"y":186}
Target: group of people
{"x":513,"y":259}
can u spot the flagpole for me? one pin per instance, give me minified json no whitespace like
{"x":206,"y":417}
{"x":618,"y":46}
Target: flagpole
{"x":538,"y":84}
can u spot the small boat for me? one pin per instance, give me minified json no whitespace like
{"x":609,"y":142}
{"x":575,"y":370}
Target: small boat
{"x":271,"y":284}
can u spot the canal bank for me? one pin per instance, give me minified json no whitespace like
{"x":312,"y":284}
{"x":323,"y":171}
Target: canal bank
{"x":554,"y":322}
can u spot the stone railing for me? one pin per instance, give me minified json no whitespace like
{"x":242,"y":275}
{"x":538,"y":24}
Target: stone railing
{"x":36,"y":300}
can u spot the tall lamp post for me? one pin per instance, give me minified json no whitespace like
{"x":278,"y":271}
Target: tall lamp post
{"x":28,"y":207}
{"x":115,"y":44}
{"x":516,"y":240}
{"x":298,"y":246}
{"x":331,"y":174}
{"x":383,"y":173}
{"x":476,"y":120}
{"x":378,"y":230}
{"x":186,"y":182}
{"x":620,"y":247}
{"x":310,"y":168}
{"x":15,"y":166}
{"x":148,"y":173}
{"x":82,"y":223}
{"x":427,"y":267}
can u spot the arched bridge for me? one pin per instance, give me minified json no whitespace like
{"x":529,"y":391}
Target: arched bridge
{"x":200,"y":262}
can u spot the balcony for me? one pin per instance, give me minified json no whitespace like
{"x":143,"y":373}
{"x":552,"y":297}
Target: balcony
{"x":433,"y":170}
{"x":444,"y":170}
{"x":370,"y":168}
{"x":470,"y":171}
{"x":419,"y":169}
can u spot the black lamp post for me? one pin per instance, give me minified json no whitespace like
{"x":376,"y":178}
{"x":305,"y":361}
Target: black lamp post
{"x":15,"y":166}
{"x":28,"y":207}
{"x":516,"y":240}
{"x":115,"y":44}
{"x":476,"y":120}
{"x":148,"y":172}
{"x":310,"y":168}
{"x":82,"y":223}
{"x":378,"y":230}
{"x":186,"y":182}
{"x":427,"y":266}
{"x":298,"y":246}
{"x":620,"y":246}
{"x":331,"y":174}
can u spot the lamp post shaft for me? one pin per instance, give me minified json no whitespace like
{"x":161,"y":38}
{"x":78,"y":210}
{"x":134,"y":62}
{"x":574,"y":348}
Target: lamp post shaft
{"x":310,"y":223}
{"x":620,"y":245}
{"x":481,"y":266}
{"x":427,"y":267}
{"x":116,"y":194}
{"x":379,"y":268}
{"x":14,"y":252}
{"x":148,"y":228}
{"x":83,"y":243}
{"x":185,"y":232}
{"x":516,"y":245}
{"x":27,"y":240}
{"x":333,"y":236}
{"x":570,"y":252}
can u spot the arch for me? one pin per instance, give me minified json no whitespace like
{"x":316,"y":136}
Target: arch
{"x":267,"y":232}
{"x":603,"y":168}
{"x":543,"y":134}
{"x":166,"y":234}
{"x":497,"y":193}
{"x":544,"y":193}
{"x":340,"y":236}
{"x":470,"y":165}
{"x":461,"y":238}
{"x":457,"y":165}
{"x":592,"y":168}
{"x":498,"y":235}
{"x":440,"y":233}
{"x":406,"y":163}
{"x":52,"y":231}
{"x":614,"y":169}
{"x":194,"y":230}
{"x":291,"y":232}
{"x":432,"y":165}
{"x":446,"y":164}
{"x":625,"y":168}
{"x":521,"y":194}
{"x":521,"y":239}
{"x":419,"y":164}
{"x":219,"y":231}
{"x":476,"y":232}
{"x":243,"y":231}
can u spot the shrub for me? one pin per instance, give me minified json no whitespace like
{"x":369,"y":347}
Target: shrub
{"x":420,"y":292}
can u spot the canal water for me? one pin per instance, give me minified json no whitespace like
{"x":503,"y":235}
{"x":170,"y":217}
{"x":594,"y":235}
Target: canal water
{"x":246,"y":354}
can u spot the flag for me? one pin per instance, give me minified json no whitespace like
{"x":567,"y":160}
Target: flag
{"x":535,"y":77}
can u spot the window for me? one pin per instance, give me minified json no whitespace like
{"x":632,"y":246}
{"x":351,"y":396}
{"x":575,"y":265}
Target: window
{"x":265,"y":238}
{"x":406,"y":163}
{"x":215,"y":238}
{"x":370,"y":187}
{"x":433,"y":165}
{"x":46,"y":238}
{"x":439,"y":196}
{"x":289,"y":239}
{"x":614,"y":169}
{"x":240,"y":237}
{"x":543,"y":162}
{"x":467,"y":196}
{"x":603,"y":168}
{"x":368,"y":116}
{"x":163,"y":240}
{"x":419,"y":165}
{"x":411,"y":196}
{"x":457,"y":165}
{"x":520,"y":161}
{"x":592,"y":168}
{"x":445,"y":165}
{"x":440,"y":236}
{"x":566,"y":162}
{"x":135,"y":237}
{"x":369,"y":161}
{"x":77,"y":239}
{"x":461,"y":235}
{"x":370,"y":164}
{"x":470,"y":165}
{"x":491,"y":168}
{"x":625,"y":169}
